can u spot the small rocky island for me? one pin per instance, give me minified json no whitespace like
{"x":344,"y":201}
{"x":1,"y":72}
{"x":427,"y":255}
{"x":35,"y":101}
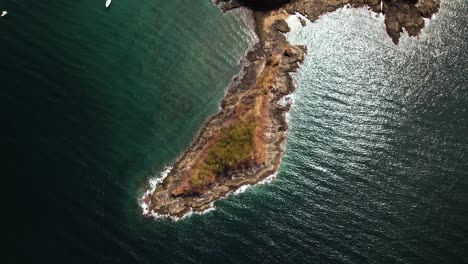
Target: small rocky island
{"x":242,"y":144}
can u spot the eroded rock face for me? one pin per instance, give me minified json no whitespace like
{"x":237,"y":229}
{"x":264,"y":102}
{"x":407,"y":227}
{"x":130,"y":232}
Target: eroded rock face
{"x":407,"y":15}
{"x":399,"y":14}
{"x":428,"y":7}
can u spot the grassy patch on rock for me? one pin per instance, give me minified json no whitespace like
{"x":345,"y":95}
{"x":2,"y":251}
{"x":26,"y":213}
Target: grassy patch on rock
{"x":234,"y":146}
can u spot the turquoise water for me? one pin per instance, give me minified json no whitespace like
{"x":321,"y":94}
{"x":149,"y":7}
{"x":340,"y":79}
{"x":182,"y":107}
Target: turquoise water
{"x":95,"y":102}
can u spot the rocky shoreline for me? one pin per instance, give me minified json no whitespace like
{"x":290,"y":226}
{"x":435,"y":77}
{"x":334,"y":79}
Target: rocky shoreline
{"x":242,"y":144}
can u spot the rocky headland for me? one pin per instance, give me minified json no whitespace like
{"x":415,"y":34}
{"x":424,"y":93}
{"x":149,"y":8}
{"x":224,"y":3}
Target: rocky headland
{"x":242,"y":144}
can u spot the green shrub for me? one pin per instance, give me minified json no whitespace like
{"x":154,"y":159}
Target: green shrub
{"x":234,"y":145}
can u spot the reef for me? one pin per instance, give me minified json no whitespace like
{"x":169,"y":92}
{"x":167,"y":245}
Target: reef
{"x":242,"y":143}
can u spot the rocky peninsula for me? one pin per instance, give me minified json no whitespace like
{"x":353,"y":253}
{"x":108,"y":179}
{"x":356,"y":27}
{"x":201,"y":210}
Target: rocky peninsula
{"x":242,"y":143}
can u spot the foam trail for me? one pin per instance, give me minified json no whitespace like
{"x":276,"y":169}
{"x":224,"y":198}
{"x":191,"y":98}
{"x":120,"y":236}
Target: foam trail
{"x":145,"y":200}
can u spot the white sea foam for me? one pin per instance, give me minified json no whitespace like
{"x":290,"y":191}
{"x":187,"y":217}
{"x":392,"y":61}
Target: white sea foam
{"x":188,"y":214}
{"x":289,"y":99}
{"x":244,"y":188}
{"x":153,"y":183}
{"x":319,"y":168}
{"x":268,"y":179}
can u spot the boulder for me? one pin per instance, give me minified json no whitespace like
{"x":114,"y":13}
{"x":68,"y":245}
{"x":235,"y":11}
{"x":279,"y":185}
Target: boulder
{"x":281,"y":26}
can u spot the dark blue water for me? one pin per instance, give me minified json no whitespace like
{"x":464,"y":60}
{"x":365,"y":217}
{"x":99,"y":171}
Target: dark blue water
{"x":95,"y":102}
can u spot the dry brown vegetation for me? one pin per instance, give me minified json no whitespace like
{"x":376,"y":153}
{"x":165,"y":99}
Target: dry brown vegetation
{"x":239,"y":142}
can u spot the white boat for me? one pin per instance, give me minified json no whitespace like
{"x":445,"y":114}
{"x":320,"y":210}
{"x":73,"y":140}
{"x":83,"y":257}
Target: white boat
{"x":108,"y":2}
{"x":3,"y":13}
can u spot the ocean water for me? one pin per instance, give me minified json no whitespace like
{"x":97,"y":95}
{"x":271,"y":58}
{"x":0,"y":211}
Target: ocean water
{"x":96,"y":102}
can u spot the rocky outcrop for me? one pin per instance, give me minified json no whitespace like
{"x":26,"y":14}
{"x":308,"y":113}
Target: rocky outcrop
{"x":241,"y":144}
{"x":407,"y":15}
{"x":251,"y":103}
{"x":399,"y":14}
